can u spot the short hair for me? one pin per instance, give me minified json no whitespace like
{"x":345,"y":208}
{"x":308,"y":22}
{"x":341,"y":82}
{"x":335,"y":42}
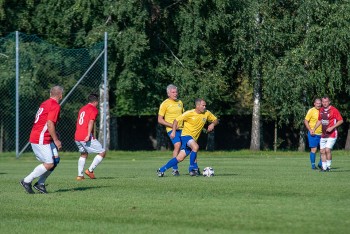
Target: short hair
{"x":317,"y":99}
{"x":326,"y":97}
{"x":198,"y":101}
{"x":56,"y":91}
{"x":93,"y":97}
{"x":170,"y":87}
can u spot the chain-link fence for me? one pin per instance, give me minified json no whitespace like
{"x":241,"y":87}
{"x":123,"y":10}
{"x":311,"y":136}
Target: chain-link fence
{"x":29,"y":67}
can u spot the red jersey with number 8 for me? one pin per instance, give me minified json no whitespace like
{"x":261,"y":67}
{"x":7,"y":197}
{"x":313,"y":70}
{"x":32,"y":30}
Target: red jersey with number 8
{"x":86,"y":113}
{"x":48,"y":110}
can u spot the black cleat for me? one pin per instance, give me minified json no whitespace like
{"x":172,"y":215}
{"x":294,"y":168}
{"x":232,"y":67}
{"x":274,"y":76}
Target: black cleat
{"x":159,"y":173}
{"x":27,"y":187}
{"x":194,"y":172}
{"x":175,"y":173}
{"x":40,"y":188}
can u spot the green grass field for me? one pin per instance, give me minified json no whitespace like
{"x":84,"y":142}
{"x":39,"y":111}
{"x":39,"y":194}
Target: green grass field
{"x":252,"y":192}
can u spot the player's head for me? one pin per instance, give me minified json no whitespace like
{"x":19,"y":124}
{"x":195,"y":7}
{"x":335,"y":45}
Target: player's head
{"x":317,"y":103}
{"x":326,"y":101}
{"x":56,"y":92}
{"x":172,"y":91}
{"x":93,"y":98}
{"x":200,"y":105}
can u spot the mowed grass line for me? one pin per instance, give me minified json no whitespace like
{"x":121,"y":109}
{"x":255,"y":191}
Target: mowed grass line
{"x":252,"y":192}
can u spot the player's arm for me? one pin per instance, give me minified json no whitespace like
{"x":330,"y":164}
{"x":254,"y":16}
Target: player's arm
{"x":162,"y":121}
{"x":212,"y":125}
{"x":175,"y":123}
{"x":306,"y":123}
{"x":52,"y":130}
{"x":318,"y":123}
{"x":340,"y":122}
{"x":90,"y":128}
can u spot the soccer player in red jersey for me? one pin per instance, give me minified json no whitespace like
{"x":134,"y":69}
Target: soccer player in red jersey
{"x":85,"y":139}
{"x":44,"y":141}
{"x":330,"y":118}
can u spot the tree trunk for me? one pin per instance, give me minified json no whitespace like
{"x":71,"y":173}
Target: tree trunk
{"x":255,"y":133}
{"x":347,"y":143}
{"x":211,"y":141}
{"x":1,"y":137}
{"x":275,"y":137}
{"x":301,"y":147}
{"x":102,"y":114}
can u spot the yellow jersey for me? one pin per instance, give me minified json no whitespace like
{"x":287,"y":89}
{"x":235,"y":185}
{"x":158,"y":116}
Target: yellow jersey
{"x":171,"y":109}
{"x":312,"y":118}
{"x":194,"y":122}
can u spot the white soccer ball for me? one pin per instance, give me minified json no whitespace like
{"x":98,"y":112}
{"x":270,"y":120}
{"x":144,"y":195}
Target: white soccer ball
{"x":208,"y":172}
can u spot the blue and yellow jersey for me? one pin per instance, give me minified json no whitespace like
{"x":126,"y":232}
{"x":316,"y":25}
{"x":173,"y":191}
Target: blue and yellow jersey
{"x":194,"y":122}
{"x":171,"y":109}
{"x":312,"y":117}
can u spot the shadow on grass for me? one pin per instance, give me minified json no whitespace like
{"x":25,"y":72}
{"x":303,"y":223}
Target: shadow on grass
{"x":106,"y":178}
{"x":226,"y":174}
{"x":3,"y":173}
{"x":80,"y":189}
{"x":337,"y":169}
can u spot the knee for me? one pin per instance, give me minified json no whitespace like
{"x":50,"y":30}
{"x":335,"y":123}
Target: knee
{"x":195,"y":148}
{"x":103,"y":154}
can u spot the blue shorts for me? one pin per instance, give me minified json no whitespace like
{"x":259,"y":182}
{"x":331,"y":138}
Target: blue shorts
{"x":184,"y":141}
{"x":177,"y":137}
{"x":314,"y":141}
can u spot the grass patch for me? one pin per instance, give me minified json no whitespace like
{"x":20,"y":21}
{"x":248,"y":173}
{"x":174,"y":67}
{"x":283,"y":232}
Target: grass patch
{"x":252,"y":192}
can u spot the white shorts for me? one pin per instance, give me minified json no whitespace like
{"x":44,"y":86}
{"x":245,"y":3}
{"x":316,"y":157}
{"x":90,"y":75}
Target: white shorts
{"x":45,"y":153}
{"x":327,"y":143}
{"x":93,"y":146}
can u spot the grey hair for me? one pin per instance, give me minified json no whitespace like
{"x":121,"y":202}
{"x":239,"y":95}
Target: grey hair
{"x":170,"y":87}
{"x":198,"y":101}
{"x":56,"y":91}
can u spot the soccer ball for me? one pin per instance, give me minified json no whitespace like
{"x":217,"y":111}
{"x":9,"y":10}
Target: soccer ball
{"x":208,"y":172}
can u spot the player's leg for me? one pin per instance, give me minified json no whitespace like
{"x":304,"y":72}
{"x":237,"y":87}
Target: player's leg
{"x":323,"y":153}
{"x":176,"y":141}
{"x":81,"y":160}
{"x":313,"y":148}
{"x":94,"y":147}
{"x":44,"y":154}
{"x":40,"y":185}
{"x":329,"y":147}
{"x":193,"y":155}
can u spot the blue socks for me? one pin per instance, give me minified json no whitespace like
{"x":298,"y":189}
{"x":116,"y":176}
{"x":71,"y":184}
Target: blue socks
{"x":312,"y":159}
{"x":176,"y":167}
{"x":193,"y":164}
{"x":170,"y":164}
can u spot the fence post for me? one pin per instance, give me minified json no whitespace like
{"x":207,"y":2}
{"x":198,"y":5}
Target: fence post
{"x":17,"y":94}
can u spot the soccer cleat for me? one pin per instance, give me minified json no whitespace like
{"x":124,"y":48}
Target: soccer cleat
{"x":175,"y":173}
{"x":27,"y":187}
{"x":90,"y":174}
{"x":194,"y":172}
{"x":79,"y":178}
{"x":326,"y":170}
{"x":199,"y":172}
{"x":159,"y":173}
{"x":40,"y":188}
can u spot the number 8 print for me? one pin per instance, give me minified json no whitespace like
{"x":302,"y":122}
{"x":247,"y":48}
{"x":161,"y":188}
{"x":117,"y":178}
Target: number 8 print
{"x":81,"y":118}
{"x":38,"y":114}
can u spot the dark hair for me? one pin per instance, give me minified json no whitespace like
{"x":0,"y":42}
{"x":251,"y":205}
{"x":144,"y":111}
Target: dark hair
{"x":93,"y":97}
